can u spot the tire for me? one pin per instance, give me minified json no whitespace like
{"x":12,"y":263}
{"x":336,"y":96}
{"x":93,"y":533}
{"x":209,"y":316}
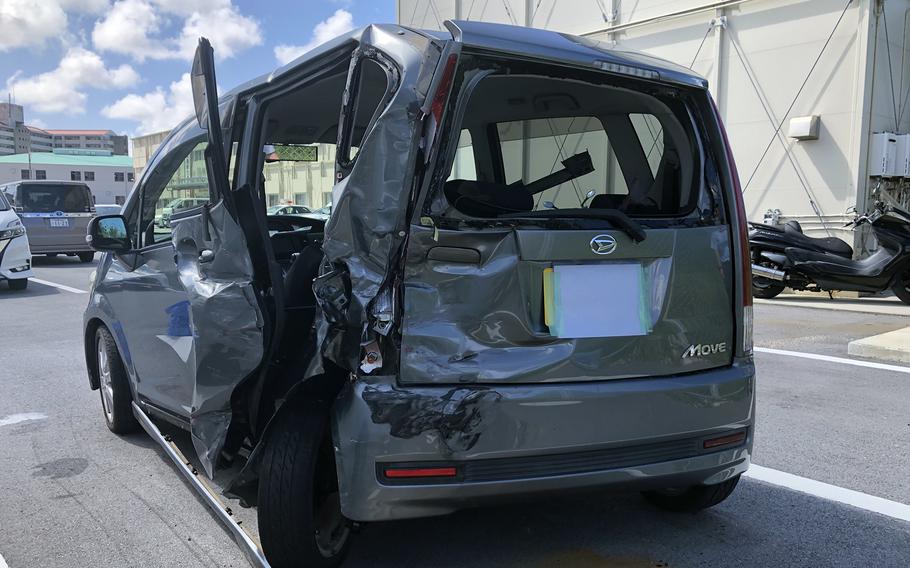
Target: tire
{"x":902,"y":289}
{"x":299,"y":502}
{"x":114,"y":385}
{"x":18,"y":284}
{"x":86,"y":256}
{"x":766,"y":289}
{"x":691,"y":499}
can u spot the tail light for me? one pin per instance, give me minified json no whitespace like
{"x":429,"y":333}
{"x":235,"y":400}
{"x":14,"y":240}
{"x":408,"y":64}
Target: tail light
{"x":745,"y":262}
{"x":419,"y":472}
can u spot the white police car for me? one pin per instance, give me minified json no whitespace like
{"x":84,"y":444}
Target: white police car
{"x":15,"y":256}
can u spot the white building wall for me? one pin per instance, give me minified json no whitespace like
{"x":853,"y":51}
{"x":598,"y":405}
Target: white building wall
{"x":104,"y":188}
{"x":775,"y":42}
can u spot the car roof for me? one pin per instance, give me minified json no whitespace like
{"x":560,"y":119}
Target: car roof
{"x":515,"y":40}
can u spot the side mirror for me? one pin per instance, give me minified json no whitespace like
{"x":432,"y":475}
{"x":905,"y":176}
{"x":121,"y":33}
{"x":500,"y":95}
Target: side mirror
{"x":108,"y":233}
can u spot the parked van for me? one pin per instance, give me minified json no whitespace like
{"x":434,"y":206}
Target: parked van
{"x":15,"y":256}
{"x":55,"y":214}
{"x":535,"y":278}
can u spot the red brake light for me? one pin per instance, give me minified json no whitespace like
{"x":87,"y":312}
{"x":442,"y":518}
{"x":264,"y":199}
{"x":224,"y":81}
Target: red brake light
{"x":442,"y":91}
{"x":402,"y":473}
{"x":725,"y":440}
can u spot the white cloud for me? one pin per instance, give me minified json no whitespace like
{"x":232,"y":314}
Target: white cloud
{"x":127,"y":28}
{"x":132,"y":27}
{"x":61,"y":89}
{"x":229,"y":31}
{"x":29,"y":22}
{"x":336,"y":24}
{"x":37,"y":123}
{"x":157,"y":110}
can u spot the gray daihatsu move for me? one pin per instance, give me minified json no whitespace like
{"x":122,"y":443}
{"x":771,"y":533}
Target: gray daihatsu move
{"x":535,"y":278}
{"x":55,"y":214}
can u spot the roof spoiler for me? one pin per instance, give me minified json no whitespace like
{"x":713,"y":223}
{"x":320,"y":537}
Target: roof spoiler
{"x":454,"y":30}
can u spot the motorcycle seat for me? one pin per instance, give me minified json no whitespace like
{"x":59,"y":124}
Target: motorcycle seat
{"x":828,"y":244}
{"x":818,"y":262}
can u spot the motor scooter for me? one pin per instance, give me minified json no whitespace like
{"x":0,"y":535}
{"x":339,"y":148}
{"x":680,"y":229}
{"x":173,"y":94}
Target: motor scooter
{"x":785,"y":257}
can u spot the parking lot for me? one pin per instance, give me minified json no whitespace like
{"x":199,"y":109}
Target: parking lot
{"x":829,"y":429}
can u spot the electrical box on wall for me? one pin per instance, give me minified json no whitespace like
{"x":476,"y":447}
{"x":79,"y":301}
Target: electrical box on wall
{"x":902,"y":161}
{"x":804,"y":127}
{"x":883,"y":155}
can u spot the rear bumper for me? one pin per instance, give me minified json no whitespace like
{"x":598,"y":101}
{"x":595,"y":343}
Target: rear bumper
{"x":520,"y":440}
{"x":61,"y":248}
{"x":15,"y":254}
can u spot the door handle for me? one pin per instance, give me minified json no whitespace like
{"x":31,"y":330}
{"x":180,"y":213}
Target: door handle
{"x":454,"y":254}
{"x":206,"y":255}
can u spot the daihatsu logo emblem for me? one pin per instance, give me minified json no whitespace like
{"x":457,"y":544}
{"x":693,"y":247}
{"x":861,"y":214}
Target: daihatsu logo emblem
{"x":603,"y":244}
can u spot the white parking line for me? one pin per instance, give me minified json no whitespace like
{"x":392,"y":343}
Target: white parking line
{"x":60,"y":286}
{"x":22,"y":417}
{"x":3,"y":563}
{"x":850,"y":497}
{"x":830,"y":359}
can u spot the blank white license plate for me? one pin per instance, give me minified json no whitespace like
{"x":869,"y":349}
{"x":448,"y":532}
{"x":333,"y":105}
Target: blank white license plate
{"x":61,"y":223}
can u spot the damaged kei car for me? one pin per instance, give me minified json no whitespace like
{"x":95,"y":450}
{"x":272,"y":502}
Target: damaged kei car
{"x":535,"y":278}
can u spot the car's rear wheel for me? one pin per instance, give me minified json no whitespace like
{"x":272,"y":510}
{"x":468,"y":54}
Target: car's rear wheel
{"x":18,"y":284}
{"x":300,"y":520}
{"x":691,"y":499}
{"x":902,"y":288}
{"x":86,"y":256}
{"x":113,"y":382}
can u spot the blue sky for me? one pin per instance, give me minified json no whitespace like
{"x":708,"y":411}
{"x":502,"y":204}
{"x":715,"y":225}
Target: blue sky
{"x":120,"y":64}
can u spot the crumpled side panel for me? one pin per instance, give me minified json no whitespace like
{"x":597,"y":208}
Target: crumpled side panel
{"x":225,"y":321}
{"x":368,"y":221}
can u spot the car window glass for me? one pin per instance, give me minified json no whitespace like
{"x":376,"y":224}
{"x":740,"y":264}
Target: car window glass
{"x":49,"y":198}
{"x":179,"y":183}
{"x":549,"y":142}
{"x":464,"y":166}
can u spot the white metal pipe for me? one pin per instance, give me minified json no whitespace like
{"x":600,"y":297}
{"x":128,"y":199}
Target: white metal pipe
{"x":667,"y":16}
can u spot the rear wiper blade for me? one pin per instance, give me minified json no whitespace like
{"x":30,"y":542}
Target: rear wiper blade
{"x":614,"y":216}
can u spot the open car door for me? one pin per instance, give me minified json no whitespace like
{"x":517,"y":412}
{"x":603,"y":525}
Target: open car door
{"x":215,"y":269}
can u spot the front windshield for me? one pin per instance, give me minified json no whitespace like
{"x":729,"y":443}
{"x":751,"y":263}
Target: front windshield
{"x":4,"y":205}
{"x":50,"y":197}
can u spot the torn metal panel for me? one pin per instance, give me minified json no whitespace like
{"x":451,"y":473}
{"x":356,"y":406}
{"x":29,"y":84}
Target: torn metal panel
{"x":223,"y":318}
{"x":369,"y":220}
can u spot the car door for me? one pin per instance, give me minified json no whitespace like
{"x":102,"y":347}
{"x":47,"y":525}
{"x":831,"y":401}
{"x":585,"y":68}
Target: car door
{"x":183,"y":300}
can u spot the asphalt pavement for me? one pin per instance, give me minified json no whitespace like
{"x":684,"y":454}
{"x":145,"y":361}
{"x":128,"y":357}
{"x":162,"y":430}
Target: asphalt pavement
{"x":72,"y":494}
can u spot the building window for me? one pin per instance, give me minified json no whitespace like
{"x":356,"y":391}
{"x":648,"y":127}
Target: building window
{"x":75,"y":176}
{"x":26,"y":174}
{"x":89,"y":176}
{"x":118,"y":176}
{"x":130,"y":177}
{"x":40,"y":174}
{"x":119,"y":199}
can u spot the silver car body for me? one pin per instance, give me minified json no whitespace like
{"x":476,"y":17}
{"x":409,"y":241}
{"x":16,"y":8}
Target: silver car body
{"x":430,"y":335}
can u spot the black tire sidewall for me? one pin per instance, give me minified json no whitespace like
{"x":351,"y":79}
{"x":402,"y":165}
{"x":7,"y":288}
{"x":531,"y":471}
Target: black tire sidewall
{"x":18,"y":284}
{"x":286,"y":484}
{"x":123,"y":421}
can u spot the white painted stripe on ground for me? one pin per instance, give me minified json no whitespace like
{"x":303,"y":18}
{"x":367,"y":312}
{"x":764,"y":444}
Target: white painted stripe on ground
{"x":17,"y":418}
{"x":830,"y":359}
{"x":850,"y":497}
{"x":60,"y":286}
{"x":3,"y":563}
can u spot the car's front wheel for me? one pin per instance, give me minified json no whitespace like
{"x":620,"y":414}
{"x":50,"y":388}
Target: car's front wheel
{"x":86,"y":256}
{"x":113,"y":382}
{"x":300,"y":520}
{"x":691,"y":499}
{"x":18,"y":284}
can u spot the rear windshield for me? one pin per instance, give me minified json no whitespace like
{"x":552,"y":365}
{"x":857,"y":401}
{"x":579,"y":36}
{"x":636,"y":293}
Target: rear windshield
{"x":48,"y":198}
{"x":532,"y":142}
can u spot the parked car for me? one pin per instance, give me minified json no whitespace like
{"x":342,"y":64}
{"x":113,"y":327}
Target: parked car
{"x":55,"y":214}
{"x":535,"y":278}
{"x":177,"y":205}
{"x":288,"y":210}
{"x":15,"y":256}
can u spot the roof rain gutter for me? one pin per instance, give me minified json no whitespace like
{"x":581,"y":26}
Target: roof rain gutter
{"x":667,"y":16}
